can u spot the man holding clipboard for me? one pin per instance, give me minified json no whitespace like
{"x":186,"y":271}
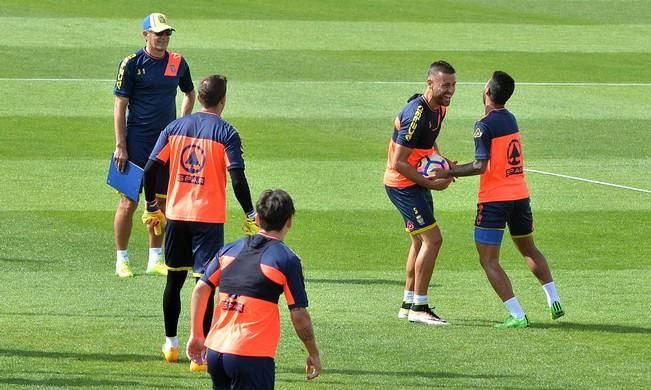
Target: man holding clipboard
{"x":146,"y":84}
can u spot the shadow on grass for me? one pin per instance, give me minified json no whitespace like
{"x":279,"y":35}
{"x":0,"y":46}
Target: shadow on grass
{"x":72,"y":315}
{"x":24,"y":260}
{"x":400,"y":374}
{"x":81,"y":356}
{"x":362,"y":282}
{"x":564,"y":325}
{"x":69,"y":382}
{"x":608,"y":328}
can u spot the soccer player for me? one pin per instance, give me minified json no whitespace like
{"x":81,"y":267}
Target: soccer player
{"x":198,"y":149}
{"x":251,"y":275}
{"x":414,"y":137}
{"x":146,"y":84}
{"x":504,"y":200}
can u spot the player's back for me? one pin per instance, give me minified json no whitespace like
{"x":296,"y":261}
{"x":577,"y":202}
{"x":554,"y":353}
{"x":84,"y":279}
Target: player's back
{"x":503,"y":179}
{"x":199,"y":147}
{"x":253,"y":273}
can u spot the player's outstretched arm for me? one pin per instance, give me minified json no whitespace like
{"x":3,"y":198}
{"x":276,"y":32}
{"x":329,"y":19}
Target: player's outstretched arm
{"x":195,"y":349}
{"x":303,"y":327}
{"x":476,"y":167}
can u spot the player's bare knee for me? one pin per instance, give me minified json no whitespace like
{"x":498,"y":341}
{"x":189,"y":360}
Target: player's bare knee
{"x":489,"y":262}
{"x":127,"y":206}
{"x":432,"y":238}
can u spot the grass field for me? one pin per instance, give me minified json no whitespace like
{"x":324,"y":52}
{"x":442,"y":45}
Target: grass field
{"x":313,"y":89}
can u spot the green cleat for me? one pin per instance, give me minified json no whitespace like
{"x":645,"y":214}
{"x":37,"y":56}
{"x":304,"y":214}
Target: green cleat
{"x":513,"y":323}
{"x":557,"y":310}
{"x":123,"y":270}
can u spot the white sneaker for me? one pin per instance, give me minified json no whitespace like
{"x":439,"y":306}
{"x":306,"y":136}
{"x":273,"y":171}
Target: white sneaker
{"x":425,"y":315}
{"x":404,"y":310}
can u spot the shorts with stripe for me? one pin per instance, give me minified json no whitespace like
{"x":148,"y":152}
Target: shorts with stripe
{"x":189,"y":246}
{"x":515,"y":214}
{"x":416,"y":206}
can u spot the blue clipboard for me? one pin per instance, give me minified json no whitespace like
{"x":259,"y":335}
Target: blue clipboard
{"x":128,"y":182}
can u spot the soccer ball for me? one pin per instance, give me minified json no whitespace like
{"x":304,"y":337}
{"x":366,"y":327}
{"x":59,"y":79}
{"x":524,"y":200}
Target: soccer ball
{"x":428,"y":164}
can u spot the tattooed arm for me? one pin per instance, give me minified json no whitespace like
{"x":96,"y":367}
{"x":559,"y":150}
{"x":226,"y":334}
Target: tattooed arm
{"x":303,"y":326}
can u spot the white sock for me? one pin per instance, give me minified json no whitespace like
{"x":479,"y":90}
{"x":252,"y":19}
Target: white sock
{"x":420,"y":299}
{"x":123,"y":256}
{"x":513,"y":306}
{"x":155,"y":254}
{"x":550,"y":291}
{"x":171,"y":342}
{"x":408,"y":296}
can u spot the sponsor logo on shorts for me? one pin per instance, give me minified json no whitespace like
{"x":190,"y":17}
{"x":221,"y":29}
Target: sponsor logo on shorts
{"x":410,"y":226}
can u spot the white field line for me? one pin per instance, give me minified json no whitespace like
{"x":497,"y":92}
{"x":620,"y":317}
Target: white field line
{"x":536,"y":84}
{"x":603,"y":183}
{"x":419,"y":82}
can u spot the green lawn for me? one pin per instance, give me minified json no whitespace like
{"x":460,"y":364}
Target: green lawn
{"x":313,"y":89}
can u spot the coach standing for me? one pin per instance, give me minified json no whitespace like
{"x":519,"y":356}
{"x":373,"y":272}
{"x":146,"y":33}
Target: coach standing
{"x":146,"y":84}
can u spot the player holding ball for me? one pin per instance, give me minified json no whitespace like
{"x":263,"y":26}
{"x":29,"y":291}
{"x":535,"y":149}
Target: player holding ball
{"x":414,"y":137}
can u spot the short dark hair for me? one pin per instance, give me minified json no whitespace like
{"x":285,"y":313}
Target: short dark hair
{"x":274,"y":207}
{"x":440,"y":66}
{"x":501,"y":87}
{"x":212,"y":90}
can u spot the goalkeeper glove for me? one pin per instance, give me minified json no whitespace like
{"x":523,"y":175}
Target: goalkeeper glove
{"x":250,"y":227}
{"x":154,"y":217}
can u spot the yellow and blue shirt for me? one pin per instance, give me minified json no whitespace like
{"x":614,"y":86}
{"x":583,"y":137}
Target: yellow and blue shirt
{"x":417,"y":126}
{"x":150,"y":85}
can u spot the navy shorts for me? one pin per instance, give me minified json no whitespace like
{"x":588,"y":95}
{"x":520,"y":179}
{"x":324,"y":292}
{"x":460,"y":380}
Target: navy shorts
{"x":493,"y":217}
{"x":189,"y":246}
{"x":139,"y":151}
{"x":240,"y":372}
{"x":415,"y":205}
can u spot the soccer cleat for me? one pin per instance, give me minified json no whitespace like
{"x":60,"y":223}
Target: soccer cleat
{"x":171,"y":354}
{"x":513,"y":323}
{"x":404,"y":310}
{"x":425,"y":315}
{"x":123,"y":270}
{"x":159,"y":269}
{"x":196,"y":367}
{"x":556,"y":310}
